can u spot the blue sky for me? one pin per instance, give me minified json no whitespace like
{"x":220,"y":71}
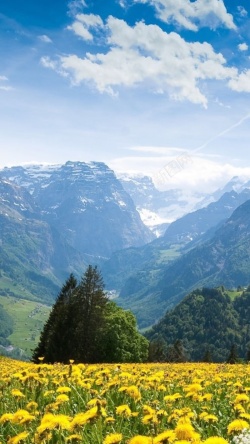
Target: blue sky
{"x":156,"y":86}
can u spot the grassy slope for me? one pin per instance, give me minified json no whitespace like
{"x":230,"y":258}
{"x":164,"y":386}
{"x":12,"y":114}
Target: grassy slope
{"x":29,"y":318}
{"x":8,"y":286}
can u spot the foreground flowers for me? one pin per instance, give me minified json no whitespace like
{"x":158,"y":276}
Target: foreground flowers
{"x":124,"y":404}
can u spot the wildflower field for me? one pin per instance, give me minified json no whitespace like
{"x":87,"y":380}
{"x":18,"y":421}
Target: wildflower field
{"x":127,"y":403}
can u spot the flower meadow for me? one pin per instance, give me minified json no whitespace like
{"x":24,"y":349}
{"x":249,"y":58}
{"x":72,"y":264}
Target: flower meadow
{"x":126,"y":403}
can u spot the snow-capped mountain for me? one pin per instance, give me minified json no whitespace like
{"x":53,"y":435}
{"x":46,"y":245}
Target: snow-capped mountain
{"x":86,"y":203}
{"x":158,"y":208}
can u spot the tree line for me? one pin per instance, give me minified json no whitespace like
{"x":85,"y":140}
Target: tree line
{"x":84,"y":325}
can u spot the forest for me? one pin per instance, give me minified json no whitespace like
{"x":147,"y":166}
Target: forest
{"x":208,"y":325}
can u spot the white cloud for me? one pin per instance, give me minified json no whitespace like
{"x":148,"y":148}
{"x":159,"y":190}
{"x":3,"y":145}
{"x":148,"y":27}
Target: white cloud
{"x":75,"y":5}
{"x":144,"y":54}
{"x":242,"y":11}
{"x":241,"y":83}
{"x":243,"y":47}
{"x":5,"y":87}
{"x":157,"y":150}
{"x":198,"y":173}
{"x":193,"y":14}
{"x":83,"y":23}
{"x":44,"y":38}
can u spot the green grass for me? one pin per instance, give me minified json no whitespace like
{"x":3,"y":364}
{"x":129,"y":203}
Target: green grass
{"x":29,"y":318}
{"x":168,"y":255}
{"x":7,"y":285}
{"x":234,"y":293}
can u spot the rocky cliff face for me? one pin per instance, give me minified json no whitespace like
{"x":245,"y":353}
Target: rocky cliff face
{"x":86,"y":204}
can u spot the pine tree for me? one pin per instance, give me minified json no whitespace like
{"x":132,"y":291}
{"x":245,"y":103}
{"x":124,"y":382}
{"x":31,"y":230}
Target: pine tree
{"x":157,"y":350}
{"x":233,"y":355}
{"x":207,"y":355}
{"x":176,"y":353}
{"x":89,"y":314}
{"x":54,"y":344}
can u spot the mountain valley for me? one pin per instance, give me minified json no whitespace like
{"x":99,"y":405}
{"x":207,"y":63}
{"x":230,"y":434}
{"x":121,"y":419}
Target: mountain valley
{"x":55,"y":220}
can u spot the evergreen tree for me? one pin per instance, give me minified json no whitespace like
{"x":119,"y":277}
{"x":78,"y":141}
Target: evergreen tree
{"x":54,"y":343}
{"x":207,"y":355}
{"x":248,"y":355}
{"x":233,"y":355}
{"x":157,"y":350}
{"x":176,"y":353}
{"x":88,"y":309}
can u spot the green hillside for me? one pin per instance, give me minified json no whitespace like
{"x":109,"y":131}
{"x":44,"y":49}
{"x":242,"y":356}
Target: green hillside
{"x":28,"y":318}
{"x":208,"y":321}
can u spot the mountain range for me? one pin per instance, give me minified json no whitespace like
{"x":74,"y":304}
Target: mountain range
{"x":55,"y":220}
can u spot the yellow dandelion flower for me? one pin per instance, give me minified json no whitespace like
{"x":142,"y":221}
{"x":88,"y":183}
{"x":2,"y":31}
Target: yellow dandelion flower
{"x":123,"y":410}
{"x":22,"y":417}
{"x":193,"y":388}
{"x":207,"y":397}
{"x":171,"y":398}
{"x":6,"y":417}
{"x":215,"y":440}
{"x":62,"y":398}
{"x":237,"y":426}
{"x":239,"y":408}
{"x":132,"y":391}
{"x":47,"y":393}
{"x":63,"y":389}
{"x":32,"y":405}
{"x":18,"y":438}
{"x":113,"y":438}
{"x":140,"y":439}
{"x":74,"y":438}
{"x":83,"y":417}
{"x":148,"y":410}
{"x":17,"y":393}
{"x":208,"y":417}
{"x":150,"y":418}
{"x":110,"y":419}
{"x":242,"y":397}
{"x":164,"y":437}
{"x":184,"y":441}
{"x":50,"y":422}
{"x":245,"y":416}
{"x":185,"y":430}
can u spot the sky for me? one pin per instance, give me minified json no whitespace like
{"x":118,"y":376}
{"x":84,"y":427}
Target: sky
{"x":160,"y":87}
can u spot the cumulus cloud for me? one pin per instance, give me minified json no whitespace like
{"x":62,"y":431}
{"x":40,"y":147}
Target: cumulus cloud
{"x":144,"y":54}
{"x":242,"y":82}
{"x":169,"y":172}
{"x":81,"y":26}
{"x":243,"y":47}
{"x":193,"y":14}
{"x":44,"y":38}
